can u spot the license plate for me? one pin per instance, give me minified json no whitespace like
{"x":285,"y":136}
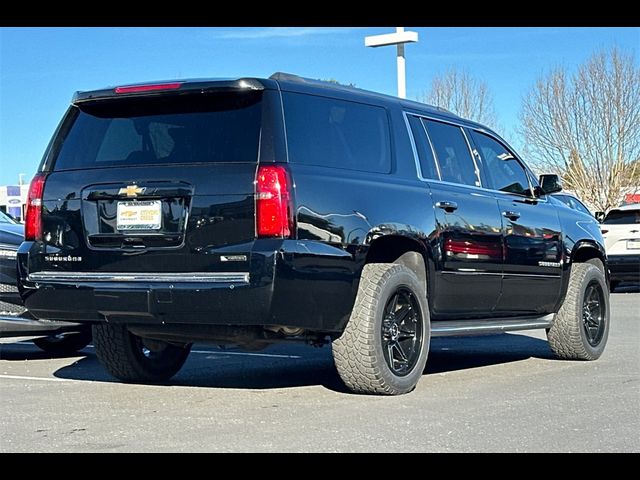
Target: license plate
{"x":145,"y":215}
{"x":633,"y":244}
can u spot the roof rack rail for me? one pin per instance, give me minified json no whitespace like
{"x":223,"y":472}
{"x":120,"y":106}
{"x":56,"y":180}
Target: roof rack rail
{"x":287,"y":77}
{"x":290,"y":77}
{"x":442,"y":109}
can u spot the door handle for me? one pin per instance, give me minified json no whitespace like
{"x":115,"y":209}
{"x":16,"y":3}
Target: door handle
{"x":447,"y":206}
{"x":511,"y":215}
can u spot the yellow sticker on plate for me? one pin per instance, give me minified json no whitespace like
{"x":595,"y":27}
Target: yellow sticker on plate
{"x":143,"y":215}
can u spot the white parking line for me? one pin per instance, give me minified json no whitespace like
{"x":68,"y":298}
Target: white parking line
{"x":21,"y":377}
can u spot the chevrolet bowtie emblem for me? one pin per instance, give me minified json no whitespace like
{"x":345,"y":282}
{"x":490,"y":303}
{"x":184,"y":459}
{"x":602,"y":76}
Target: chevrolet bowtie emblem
{"x":132,"y":190}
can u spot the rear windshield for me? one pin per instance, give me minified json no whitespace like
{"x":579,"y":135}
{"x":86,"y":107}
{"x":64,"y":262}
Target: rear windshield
{"x":622,"y":217}
{"x":160,"y":130}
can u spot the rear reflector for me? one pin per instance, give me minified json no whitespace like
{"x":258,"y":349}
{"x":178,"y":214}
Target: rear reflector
{"x":149,"y":88}
{"x":273,"y":202}
{"x":33,"y":223}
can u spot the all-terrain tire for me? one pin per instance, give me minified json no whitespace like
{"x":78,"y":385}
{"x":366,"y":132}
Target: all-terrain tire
{"x":568,"y":335}
{"x":127,"y":358}
{"x":358,"y":352}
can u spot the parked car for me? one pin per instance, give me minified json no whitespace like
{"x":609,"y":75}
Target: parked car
{"x":572,"y":201}
{"x":254,"y":211}
{"x":11,"y":236}
{"x":15,"y":321}
{"x":621,"y":232}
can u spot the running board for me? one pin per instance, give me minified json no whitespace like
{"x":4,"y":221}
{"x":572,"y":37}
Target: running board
{"x":446,"y":328}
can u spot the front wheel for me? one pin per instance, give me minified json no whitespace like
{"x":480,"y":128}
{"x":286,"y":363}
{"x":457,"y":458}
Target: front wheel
{"x":131,"y":358}
{"x":384,"y":347}
{"x":581,"y":327}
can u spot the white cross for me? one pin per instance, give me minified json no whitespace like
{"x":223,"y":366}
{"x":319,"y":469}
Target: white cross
{"x":398,"y":39}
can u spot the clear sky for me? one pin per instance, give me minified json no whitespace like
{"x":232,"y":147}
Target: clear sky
{"x":40,"y":68}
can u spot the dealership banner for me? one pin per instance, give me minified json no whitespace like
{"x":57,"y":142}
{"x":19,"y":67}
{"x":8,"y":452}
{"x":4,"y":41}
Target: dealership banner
{"x":14,"y":201}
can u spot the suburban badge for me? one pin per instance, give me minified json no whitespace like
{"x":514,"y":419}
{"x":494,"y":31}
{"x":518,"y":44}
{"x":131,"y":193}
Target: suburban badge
{"x":550,"y":264}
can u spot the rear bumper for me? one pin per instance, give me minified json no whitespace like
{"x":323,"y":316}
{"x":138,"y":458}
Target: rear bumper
{"x":147,"y":302}
{"x":624,"y":267}
{"x":305,"y":285}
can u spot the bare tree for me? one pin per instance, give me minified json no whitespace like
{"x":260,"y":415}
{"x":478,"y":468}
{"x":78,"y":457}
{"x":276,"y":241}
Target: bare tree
{"x":586,"y":127}
{"x":462,"y":94}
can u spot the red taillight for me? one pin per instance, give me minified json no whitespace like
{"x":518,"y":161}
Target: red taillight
{"x":148,"y":88}
{"x":33,"y":223}
{"x":273,"y":199}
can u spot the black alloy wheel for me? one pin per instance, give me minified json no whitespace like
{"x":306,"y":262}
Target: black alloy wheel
{"x":593,"y":313}
{"x":402,"y":333}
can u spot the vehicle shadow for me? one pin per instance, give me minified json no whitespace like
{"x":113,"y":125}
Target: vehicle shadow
{"x":286,"y":366}
{"x":21,"y":351}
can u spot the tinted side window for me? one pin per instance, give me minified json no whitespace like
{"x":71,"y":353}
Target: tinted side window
{"x":425,"y":154}
{"x":503,"y":171}
{"x":336,"y":133}
{"x":452,"y":152}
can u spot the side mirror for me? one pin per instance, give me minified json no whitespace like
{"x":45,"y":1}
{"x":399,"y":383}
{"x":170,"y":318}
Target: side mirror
{"x":550,"y":183}
{"x":599,"y":216}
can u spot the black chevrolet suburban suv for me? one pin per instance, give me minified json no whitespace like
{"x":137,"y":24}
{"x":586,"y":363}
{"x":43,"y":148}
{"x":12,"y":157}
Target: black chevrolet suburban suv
{"x":253,"y":211}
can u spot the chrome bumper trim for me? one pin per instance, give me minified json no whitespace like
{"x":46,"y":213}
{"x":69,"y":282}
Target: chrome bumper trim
{"x":187,"y":277}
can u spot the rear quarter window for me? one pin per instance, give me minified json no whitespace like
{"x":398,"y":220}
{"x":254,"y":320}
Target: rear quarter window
{"x":336,"y":133}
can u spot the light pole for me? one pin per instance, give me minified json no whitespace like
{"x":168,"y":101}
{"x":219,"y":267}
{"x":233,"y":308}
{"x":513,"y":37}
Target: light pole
{"x":20,"y":181}
{"x":398,"y":39}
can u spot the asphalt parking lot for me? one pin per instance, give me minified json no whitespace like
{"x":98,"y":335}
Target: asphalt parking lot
{"x":494,"y":393}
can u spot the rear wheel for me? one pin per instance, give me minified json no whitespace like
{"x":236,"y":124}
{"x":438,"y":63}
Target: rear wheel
{"x":384,"y":347}
{"x":131,"y":358}
{"x":581,"y":328}
{"x":64,"y":343}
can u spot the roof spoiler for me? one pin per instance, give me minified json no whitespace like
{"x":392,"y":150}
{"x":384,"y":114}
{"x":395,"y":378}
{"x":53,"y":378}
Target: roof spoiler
{"x":168,"y":88}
